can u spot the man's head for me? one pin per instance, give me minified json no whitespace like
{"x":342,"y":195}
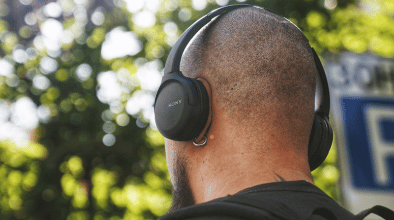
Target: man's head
{"x":262,"y":75}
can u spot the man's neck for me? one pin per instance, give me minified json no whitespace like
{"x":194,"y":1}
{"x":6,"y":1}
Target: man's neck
{"x":238,"y":157}
{"x":217,"y":177}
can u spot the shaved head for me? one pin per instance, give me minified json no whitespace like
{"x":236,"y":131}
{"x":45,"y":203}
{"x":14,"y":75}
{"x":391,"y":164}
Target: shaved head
{"x":253,"y":56}
{"x":258,"y":64}
{"x":262,"y":74}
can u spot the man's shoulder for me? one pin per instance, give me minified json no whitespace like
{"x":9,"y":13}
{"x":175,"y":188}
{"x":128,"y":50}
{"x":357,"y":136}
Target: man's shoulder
{"x":286,"y":200}
{"x":216,"y":217}
{"x":220,"y":209}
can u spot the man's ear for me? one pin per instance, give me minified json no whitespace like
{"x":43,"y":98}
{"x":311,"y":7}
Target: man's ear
{"x":200,"y":138}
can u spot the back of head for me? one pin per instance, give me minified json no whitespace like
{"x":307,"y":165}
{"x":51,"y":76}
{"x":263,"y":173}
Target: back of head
{"x":261,"y":70}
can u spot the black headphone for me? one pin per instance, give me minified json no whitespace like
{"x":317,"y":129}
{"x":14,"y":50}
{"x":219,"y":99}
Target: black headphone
{"x":182,"y":103}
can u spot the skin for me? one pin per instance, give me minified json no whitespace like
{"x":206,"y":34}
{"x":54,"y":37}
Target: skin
{"x":245,"y":147}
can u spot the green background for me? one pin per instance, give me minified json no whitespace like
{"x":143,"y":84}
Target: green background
{"x":66,"y":171}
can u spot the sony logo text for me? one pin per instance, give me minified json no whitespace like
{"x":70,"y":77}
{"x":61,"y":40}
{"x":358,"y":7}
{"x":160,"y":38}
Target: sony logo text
{"x":172,"y":104}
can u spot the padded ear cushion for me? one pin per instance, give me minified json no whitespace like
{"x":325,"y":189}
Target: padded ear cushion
{"x":204,"y":106}
{"x":319,"y":142}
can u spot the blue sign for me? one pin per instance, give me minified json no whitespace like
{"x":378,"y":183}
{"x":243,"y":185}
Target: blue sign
{"x":369,"y":132}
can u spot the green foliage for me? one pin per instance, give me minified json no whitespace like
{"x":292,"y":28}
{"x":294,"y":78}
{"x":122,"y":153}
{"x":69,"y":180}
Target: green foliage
{"x":19,"y":175}
{"x":96,"y":156}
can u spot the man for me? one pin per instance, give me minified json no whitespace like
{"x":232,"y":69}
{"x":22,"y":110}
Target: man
{"x":261,"y":77}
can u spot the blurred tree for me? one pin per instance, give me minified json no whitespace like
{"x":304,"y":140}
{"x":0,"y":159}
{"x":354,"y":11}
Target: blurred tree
{"x":86,"y":73}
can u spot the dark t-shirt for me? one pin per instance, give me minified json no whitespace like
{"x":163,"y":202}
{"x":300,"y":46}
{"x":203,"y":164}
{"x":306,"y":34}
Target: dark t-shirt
{"x":293,"y":198}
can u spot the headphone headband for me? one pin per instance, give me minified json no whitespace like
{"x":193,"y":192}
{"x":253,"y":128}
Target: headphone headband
{"x":324,"y":105}
{"x":174,"y":58}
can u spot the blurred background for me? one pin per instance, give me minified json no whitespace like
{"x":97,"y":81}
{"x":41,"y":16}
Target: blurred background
{"x":77,"y":86}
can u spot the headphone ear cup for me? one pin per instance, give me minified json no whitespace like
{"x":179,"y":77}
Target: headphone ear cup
{"x":181,"y":108}
{"x":320,"y":141}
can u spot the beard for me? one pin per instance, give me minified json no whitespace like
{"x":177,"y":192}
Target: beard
{"x":182,"y":193}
